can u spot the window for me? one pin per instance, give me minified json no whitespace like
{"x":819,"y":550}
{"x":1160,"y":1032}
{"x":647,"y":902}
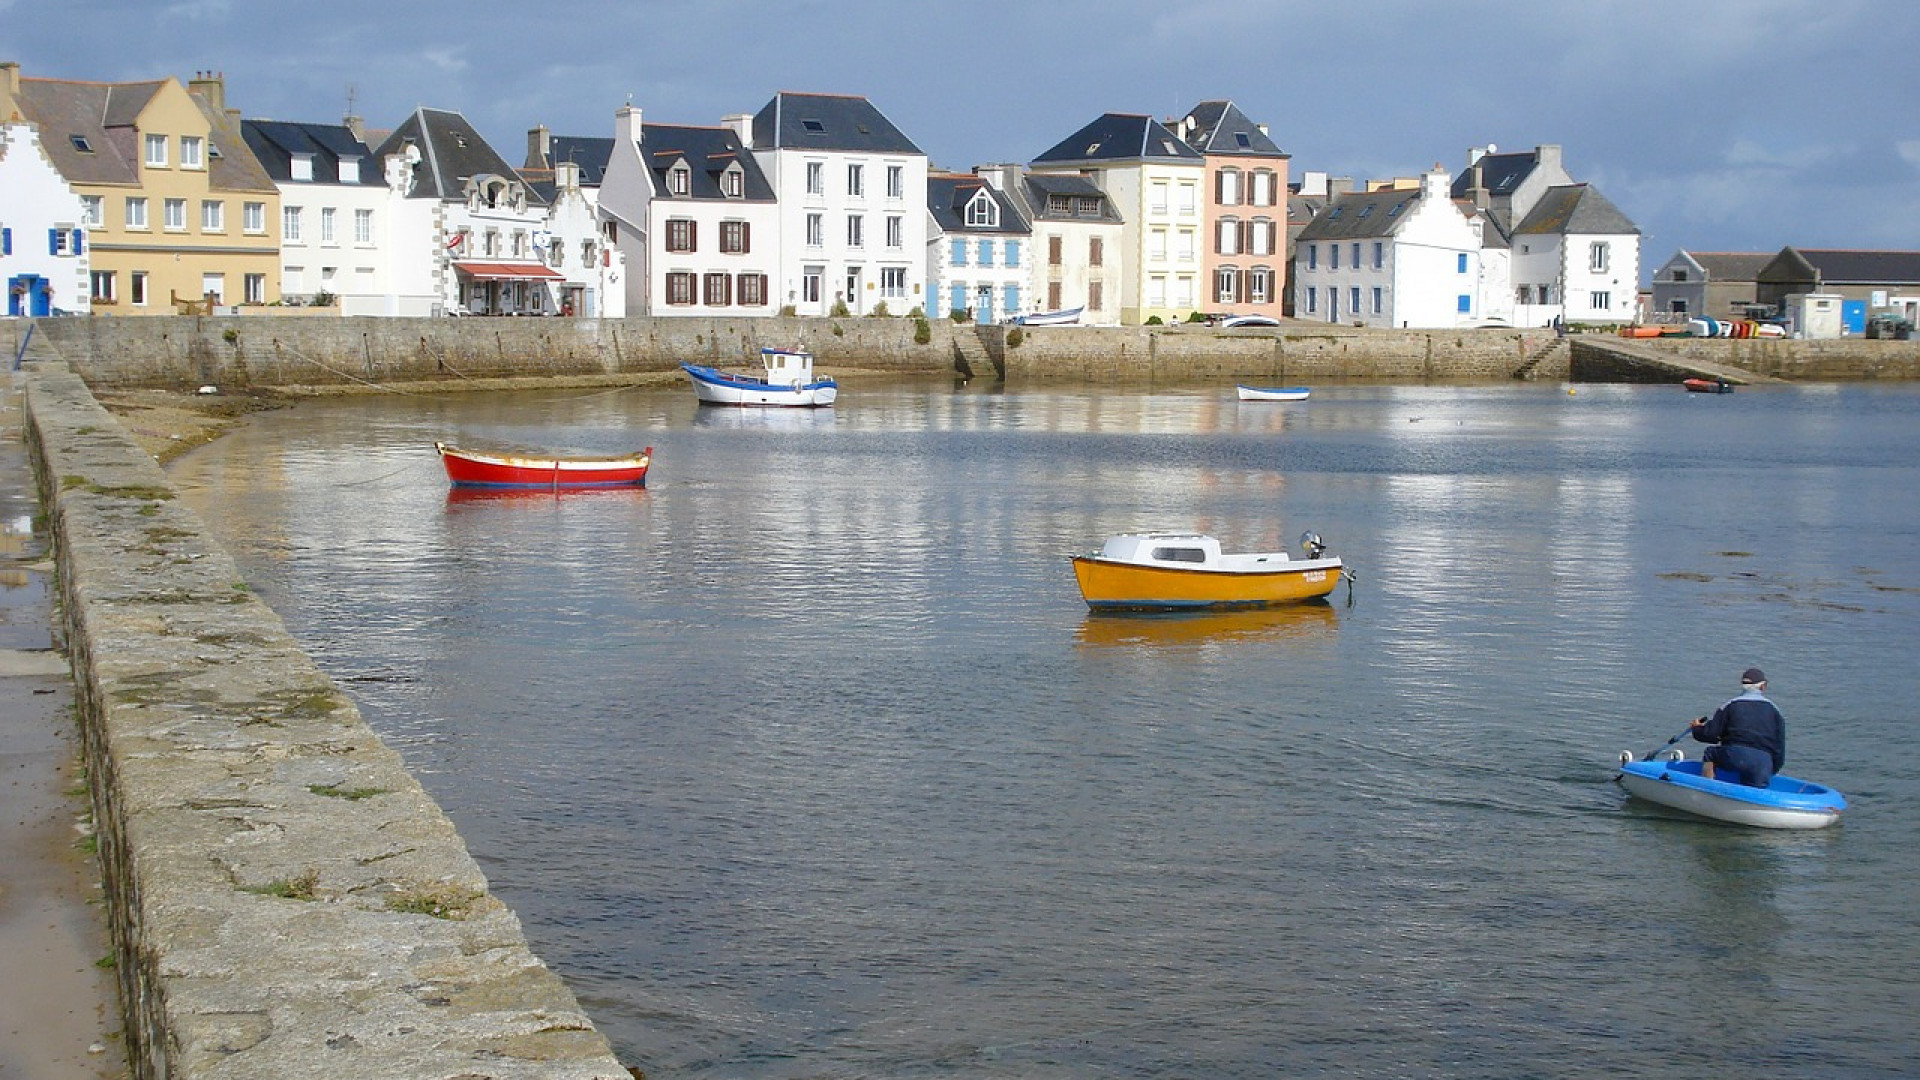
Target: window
{"x":856,"y":231}
{"x":983,"y":212}
{"x":102,"y":286}
{"x":93,"y":210}
{"x":816,"y":230}
{"x":214,"y":287}
{"x":752,"y":290}
{"x":957,"y":297}
{"x":1355,"y":250}
{"x":680,"y":289}
{"x":1460,"y":264}
{"x":174,"y":214}
{"x":326,"y":224}
{"x":1597,"y":256}
{"x":680,"y":235}
{"x":193,"y":152}
{"x":136,"y":212}
{"x":557,"y":254}
{"x":254,"y":289}
{"x":1679,"y":277}
{"x":1189,"y":198}
{"x":1053,"y":297}
{"x":1055,"y":246}
{"x":1096,"y":251}
{"x":213,"y":216}
{"x":810,"y":279}
{"x":1095,"y":297}
{"x":1226,"y":191}
{"x":896,"y":182}
{"x":253,"y":217}
{"x":1157,"y":197}
{"x":719,"y":290}
{"x":1157,"y":291}
{"x":1353,"y":300}
{"x":1260,"y":285}
{"x":363,"y":226}
{"x":1379,"y":299}
{"x":985,"y":250}
{"x":1602,"y":301}
{"x":290,"y":224}
{"x":893,"y":281}
{"x":1261,"y":191}
{"x":896,"y":231}
{"x":733,"y":237}
{"x":1226,"y":285}
{"x":733,"y":183}
{"x":816,"y":177}
{"x":1010,"y":299}
{"x":1524,"y":294}
{"x":1313,"y":256}
{"x":1261,"y":237}
{"x":679,"y":179}
{"x":1333,"y":256}
{"x":301,"y":167}
{"x":156,"y":151}
{"x":1157,"y":244}
{"x":1313,"y":300}
{"x":856,"y":179}
{"x":1227,"y":237}
{"x":137,"y":288}
{"x":1012,"y":250}
{"x":1678,"y":307}
{"x":1379,"y":254}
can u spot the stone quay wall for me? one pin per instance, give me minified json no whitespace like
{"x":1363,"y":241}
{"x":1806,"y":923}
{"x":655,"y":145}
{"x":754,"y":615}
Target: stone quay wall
{"x":284,"y":899}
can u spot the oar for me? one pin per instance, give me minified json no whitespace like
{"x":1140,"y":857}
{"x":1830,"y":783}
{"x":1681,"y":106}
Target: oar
{"x":1684,"y":732}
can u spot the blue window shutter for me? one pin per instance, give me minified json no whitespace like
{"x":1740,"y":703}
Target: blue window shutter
{"x":79,"y":241}
{"x":1013,"y":253}
{"x":6,"y":241}
{"x":957,"y":298}
{"x":1465,"y":302}
{"x":1012,"y":301}
{"x":986,"y":253}
{"x":1463,"y":265}
{"x":53,"y":241}
{"x":959,"y":257}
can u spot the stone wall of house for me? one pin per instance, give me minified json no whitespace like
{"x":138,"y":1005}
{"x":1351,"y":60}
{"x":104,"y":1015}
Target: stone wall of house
{"x":284,"y":899}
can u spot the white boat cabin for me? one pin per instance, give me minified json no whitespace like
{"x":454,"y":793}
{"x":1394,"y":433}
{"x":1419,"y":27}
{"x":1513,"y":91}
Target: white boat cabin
{"x":786,"y":367}
{"x":1190,"y":551}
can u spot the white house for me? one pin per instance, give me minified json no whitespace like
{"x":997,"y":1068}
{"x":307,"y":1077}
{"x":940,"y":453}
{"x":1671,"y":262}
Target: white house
{"x":43,"y":249}
{"x":1399,"y":256}
{"x":333,"y":204}
{"x":1076,"y":247}
{"x":852,"y":196}
{"x":1576,"y":257}
{"x":464,"y":224}
{"x":565,"y":172}
{"x":695,"y":218}
{"x":978,"y":250}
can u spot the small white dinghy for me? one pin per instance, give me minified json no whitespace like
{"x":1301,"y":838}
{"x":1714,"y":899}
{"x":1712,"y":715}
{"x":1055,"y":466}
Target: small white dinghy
{"x":1785,"y":803}
{"x":1273,"y":393}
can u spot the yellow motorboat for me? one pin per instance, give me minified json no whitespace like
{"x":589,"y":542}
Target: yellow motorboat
{"x":1162,"y":571}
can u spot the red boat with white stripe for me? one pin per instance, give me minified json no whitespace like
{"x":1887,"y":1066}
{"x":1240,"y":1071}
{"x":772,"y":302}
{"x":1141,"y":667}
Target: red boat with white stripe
{"x":472,"y":468}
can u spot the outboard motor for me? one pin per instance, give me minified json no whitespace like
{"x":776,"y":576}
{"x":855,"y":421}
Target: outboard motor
{"x":1310,"y":545}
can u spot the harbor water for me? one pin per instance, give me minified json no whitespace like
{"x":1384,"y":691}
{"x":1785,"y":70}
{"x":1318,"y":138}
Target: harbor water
{"x":809,"y":761}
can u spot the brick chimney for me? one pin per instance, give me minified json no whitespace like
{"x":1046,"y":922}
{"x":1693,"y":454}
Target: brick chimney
{"x":539,"y":148}
{"x":211,"y":87}
{"x":742,"y":125}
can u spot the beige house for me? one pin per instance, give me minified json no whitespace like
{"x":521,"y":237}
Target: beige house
{"x":179,"y":215}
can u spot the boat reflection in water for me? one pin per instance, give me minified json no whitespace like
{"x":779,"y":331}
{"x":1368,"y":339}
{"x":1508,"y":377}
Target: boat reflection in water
{"x":1310,"y":619}
{"x":463,"y":496}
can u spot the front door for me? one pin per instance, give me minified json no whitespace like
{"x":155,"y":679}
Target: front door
{"x":29,"y":294}
{"x":983,"y":304}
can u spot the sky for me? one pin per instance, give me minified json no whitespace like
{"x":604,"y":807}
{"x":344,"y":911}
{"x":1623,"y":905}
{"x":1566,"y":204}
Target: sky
{"x":1715,"y":125}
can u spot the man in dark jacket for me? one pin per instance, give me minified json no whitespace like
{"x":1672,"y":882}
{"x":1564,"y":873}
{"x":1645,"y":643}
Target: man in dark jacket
{"x":1748,"y":734}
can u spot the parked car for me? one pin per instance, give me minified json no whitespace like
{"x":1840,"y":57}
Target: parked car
{"x":1888,"y":326}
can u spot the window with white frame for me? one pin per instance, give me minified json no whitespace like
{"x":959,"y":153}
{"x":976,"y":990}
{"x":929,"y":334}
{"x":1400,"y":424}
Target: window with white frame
{"x":816,"y":177}
{"x":679,"y":179}
{"x":719,"y":290}
{"x":1313,"y":300}
{"x":290,"y":224}
{"x":137,"y":288}
{"x":1602,"y":301}
{"x":1189,"y":194}
{"x":1379,"y":299}
{"x":174,"y":213}
{"x":213,"y":216}
{"x":856,"y":179}
{"x":896,"y":231}
{"x":1227,"y":187}
{"x":1261,"y":188}
{"x":363,"y":226}
{"x":193,"y":152}
{"x":752,"y":290}
{"x":896,"y":182}
{"x":136,"y":212}
{"x":982,"y":211}
{"x":1261,"y":237}
{"x":1157,"y":290}
{"x":1227,"y":236}
{"x":1598,"y":254}
{"x":1353,"y":300}
{"x":733,"y":182}
{"x":893,"y":281}
{"x":856,"y":231}
{"x":93,"y":210}
{"x":1183,"y":291}
{"x":253,"y":217}
{"x":816,"y":230}
{"x":156,"y":151}
{"x":1157,"y":197}
{"x":253,"y":289}
{"x":1260,"y":285}
{"x":1379,"y":254}
{"x":327,"y":215}
{"x":1157,"y":244}
{"x":301,"y":167}
{"x":101,"y":286}
{"x":1226,"y":285}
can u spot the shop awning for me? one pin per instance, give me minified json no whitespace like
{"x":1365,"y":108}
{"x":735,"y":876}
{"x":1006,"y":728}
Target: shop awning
{"x":487,"y":271}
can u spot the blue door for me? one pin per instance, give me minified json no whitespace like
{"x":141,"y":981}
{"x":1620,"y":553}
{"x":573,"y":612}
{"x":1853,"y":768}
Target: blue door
{"x":1853,"y":317}
{"x":28,"y":294}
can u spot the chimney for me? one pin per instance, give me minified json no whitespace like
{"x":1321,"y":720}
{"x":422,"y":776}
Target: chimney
{"x":211,"y":86}
{"x":10,"y":78}
{"x":566,"y":175}
{"x":626,"y":128}
{"x":998,"y":177}
{"x":1547,"y":156}
{"x":539,"y":148}
{"x":741,"y":125}
{"x":357,"y":125}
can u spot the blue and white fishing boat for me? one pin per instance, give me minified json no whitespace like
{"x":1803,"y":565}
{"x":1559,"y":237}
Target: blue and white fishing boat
{"x":787,"y":381}
{"x":1063,"y":317}
{"x":1786,"y":803}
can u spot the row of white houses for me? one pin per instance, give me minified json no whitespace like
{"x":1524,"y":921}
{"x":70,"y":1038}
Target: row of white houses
{"x":815,"y":205}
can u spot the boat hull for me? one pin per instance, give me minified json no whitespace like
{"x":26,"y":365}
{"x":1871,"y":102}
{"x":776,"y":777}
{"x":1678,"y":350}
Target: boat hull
{"x":1786,"y":803}
{"x":1273,"y":393}
{"x":474,"y":469}
{"x":1068,"y":317}
{"x":1707,"y":386}
{"x":1119,"y":586}
{"x":715,"y":387}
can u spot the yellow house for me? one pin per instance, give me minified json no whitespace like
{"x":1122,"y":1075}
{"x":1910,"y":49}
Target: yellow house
{"x":180,"y":216}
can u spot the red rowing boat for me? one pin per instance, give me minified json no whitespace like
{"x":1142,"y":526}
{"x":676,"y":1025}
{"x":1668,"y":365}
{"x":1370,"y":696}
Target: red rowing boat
{"x":468,"y":468}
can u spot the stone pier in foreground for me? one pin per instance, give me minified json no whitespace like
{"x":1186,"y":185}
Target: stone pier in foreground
{"x":285,"y":900}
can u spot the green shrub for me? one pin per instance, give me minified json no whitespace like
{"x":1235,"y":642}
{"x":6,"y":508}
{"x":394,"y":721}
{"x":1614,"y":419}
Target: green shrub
{"x":1015,"y":336}
{"x":922,"y":333}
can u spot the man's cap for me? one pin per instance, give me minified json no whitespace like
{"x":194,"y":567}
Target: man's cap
{"x":1753,"y":676}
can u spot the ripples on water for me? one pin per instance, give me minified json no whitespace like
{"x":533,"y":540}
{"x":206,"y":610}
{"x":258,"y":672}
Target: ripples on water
{"x":809,"y":761}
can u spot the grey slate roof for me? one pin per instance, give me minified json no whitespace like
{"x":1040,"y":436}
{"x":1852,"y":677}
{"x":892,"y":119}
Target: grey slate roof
{"x":451,"y":151}
{"x":1732,"y":265}
{"x":1040,"y":186}
{"x":1500,"y":173}
{"x":101,"y":114}
{"x":948,"y":195}
{"x":1575,"y":208}
{"x":1358,"y":215}
{"x":707,"y":151}
{"x":1843,"y":267}
{"x":827,"y":122}
{"x":1120,"y":137}
{"x":275,"y":142}
{"x":589,"y":154}
{"x":1219,"y":127}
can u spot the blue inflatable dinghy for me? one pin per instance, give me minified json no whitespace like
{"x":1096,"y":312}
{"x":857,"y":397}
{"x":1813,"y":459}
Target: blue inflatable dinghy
{"x":1786,"y":803}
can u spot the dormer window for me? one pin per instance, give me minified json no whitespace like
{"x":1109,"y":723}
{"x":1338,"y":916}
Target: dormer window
{"x":983,"y":212}
{"x":302,"y":166}
{"x":679,"y":179}
{"x":733,"y":182}
{"x":349,"y":170}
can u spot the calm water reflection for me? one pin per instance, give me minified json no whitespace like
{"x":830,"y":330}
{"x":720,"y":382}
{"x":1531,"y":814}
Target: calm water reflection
{"x":809,"y":761}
